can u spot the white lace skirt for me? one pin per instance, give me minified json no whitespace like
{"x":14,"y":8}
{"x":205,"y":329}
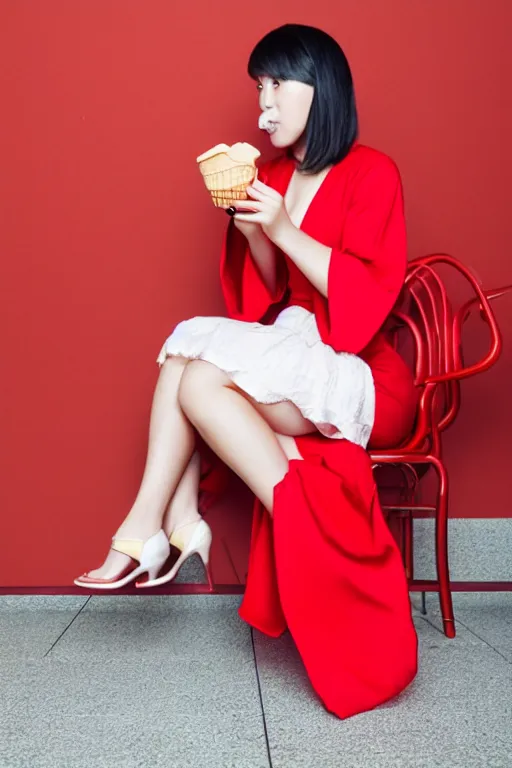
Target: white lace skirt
{"x":286,"y":361}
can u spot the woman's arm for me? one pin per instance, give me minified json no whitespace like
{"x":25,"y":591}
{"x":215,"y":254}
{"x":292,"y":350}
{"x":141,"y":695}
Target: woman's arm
{"x":311,"y":257}
{"x":271,"y":227}
{"x":264,"y":255}
{"x":253,"y":275}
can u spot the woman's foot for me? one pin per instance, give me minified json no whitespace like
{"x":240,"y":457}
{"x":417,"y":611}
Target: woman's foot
{"x":116,"y":562}
{"x":190,"y":537}
{"x":114,"y":565}
{"x":133,"y":546}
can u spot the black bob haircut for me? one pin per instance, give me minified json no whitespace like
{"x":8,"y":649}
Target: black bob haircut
{"x":311,"y":56}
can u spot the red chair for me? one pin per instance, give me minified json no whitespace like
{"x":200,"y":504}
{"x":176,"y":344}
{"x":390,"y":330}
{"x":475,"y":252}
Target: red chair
{"x":436,"y":331}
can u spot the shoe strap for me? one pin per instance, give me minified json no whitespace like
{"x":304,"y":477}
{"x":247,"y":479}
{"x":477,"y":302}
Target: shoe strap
{"x":130,"y":547}
{"x":177,"y":541}
{"x":190,"y":522}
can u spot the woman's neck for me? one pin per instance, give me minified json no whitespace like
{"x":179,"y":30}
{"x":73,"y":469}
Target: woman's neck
{"x":298,"y":151}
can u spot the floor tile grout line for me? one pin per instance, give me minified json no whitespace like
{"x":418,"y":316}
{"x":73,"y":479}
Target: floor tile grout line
{"x":459,"y":621}
{"x":427,"y":621}
{"x":261,"y":699}
{"x":487,"y":643}
{"x":66,"y":628}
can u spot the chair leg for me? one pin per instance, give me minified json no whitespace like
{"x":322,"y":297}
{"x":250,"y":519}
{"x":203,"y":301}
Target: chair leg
{"x":443,"y":574}
{"x":409,"y":546}
{"x":401,"y":529}
{"x":406,"y":525}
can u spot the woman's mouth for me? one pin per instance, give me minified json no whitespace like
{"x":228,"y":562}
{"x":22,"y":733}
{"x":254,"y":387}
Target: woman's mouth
{"x":267,"y":123}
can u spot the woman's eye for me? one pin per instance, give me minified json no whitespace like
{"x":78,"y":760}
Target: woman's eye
{"x":275,"y":84}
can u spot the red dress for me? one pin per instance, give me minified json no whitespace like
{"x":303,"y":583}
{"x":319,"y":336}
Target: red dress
{"x":326,"y":566}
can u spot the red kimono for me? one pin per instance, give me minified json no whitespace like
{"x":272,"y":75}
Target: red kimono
{"x":326,"y":565}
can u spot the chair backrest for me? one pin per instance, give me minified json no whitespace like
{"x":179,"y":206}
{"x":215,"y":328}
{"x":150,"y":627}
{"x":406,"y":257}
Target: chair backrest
{"x":427,"y":313}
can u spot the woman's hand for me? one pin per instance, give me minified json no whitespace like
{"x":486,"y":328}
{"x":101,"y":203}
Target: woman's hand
{"x":265,"y":208}
{"x":249,"y":229}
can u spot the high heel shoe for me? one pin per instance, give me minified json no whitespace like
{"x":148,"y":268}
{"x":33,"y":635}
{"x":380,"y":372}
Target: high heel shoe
{"x":199,"y":543}
{"x":151,"y":556}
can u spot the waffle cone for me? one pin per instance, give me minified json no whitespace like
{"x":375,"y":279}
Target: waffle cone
{"x":228,"y":171}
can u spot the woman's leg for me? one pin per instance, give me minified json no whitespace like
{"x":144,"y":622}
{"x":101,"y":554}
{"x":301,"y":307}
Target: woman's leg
{"x":171,"y":445}
{"x":184,"y":507}
{"x":240,"y":432}
{"x":287,"y":443}
{"x":172,"y":471}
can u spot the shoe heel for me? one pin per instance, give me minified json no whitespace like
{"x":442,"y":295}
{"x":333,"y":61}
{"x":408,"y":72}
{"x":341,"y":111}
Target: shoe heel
{"x":152,"y":573}
{"x":204,"y":553}
{"x":199,"y":544}
{"x":154,"y":555}
{"x":202,"y":548}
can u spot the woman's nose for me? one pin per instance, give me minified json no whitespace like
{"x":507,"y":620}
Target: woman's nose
{"x":267,"y":98}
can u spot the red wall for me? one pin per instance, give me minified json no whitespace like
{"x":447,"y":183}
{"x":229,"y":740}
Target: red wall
{"x":108,"y":238}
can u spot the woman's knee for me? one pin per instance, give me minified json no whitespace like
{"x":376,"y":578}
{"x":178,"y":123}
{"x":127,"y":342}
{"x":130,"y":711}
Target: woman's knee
{"x":173,"y":367}
{"x":198,"y":381}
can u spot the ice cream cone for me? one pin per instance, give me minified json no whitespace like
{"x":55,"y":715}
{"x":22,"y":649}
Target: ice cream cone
{"x":228,"y":171}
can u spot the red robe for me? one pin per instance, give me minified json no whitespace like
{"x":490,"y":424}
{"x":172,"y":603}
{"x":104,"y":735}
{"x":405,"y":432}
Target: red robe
{"x":326,"y":566}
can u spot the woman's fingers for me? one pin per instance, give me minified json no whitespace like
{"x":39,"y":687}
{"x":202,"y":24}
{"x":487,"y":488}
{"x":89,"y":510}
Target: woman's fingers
{"x":254,"y":218}
{"x":255,"y":193}
{"x":249,"y":205}
{"x":259,"y":186}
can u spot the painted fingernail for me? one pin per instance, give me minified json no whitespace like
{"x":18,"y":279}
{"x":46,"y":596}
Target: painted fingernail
{"x":231,"y":210}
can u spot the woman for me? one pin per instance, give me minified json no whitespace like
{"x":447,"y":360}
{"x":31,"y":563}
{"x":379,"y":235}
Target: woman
{"x":290,"y":389}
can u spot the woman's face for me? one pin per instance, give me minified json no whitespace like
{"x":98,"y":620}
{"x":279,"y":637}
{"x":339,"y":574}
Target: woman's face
{"x":290,"y":102}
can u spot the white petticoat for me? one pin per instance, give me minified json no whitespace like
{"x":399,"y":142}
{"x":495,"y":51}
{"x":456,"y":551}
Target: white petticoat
{"x":286,"y":361}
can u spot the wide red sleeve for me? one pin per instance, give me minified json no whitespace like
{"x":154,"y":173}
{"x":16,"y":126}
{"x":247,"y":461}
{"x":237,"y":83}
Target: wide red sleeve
{"x":245,"y":293}
{"x":367,"y":271}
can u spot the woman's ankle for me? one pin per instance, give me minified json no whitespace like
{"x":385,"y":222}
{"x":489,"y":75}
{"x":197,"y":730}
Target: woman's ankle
{"x":138,"y":526}
{"x":181,"y":519}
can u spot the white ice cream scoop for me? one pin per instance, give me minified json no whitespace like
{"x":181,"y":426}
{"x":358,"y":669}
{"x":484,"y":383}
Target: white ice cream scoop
{"x":267,"y":121}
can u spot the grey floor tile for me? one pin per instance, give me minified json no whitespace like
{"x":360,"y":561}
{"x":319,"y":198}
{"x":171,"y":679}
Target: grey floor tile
{"x":173,"y":626}
{"x":139,"y":681}
{"x":16,"y":678}
{"x":478,"y":756}
{"x":456,"y":712}
{"x":488,"y":615}
{"x":39,"y":602}
{"x":30,"y":625}
{"x":137,"y":713}
{"x":431,"y":626}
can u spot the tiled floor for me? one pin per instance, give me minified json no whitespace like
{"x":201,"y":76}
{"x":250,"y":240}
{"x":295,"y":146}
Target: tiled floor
{"x":148,"y":682}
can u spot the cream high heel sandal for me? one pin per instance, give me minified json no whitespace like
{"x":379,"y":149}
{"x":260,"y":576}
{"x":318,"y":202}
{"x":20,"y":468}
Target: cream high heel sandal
{"x":151,"y":556}
{"x":199,"y":543}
